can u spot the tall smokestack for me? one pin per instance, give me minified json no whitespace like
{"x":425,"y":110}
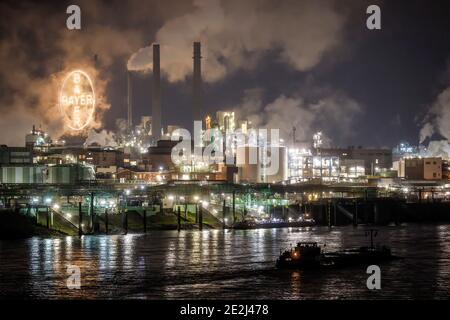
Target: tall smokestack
{"x":197,"y":85}
{"x":156,"y":94}
{"x":130,"y":103}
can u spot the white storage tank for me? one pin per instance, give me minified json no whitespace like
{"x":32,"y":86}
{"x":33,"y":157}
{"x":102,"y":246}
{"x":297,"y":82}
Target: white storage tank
{"x":21,"y":174}
{"x":68,"y":174}
{"x":247,"y":163}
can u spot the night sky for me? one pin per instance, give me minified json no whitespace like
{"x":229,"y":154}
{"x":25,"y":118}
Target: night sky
{"x":328,"y":72}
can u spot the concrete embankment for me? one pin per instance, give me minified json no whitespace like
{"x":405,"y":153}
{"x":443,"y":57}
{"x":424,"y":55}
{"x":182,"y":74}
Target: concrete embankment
{"x":379,"y":211}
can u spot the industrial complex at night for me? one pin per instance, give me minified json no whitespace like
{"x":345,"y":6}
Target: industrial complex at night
{"x":224,"y":150}
{"x":135,"y":169}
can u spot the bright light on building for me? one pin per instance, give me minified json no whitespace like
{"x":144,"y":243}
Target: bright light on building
{"x":77,"y":100}
{"x":56,"y":206}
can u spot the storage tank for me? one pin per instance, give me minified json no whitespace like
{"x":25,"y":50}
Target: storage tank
{"x":279,"y":174}
{"x":21,"y":174}
{"x":247,"y":163}
{"x":68,"y":174}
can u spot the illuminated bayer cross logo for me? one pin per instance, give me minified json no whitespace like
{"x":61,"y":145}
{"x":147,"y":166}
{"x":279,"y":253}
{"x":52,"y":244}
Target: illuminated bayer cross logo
{"x":77,"y":100}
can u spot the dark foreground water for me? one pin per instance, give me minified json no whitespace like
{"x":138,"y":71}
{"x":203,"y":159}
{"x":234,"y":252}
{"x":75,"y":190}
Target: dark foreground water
{"x":222,"y":265}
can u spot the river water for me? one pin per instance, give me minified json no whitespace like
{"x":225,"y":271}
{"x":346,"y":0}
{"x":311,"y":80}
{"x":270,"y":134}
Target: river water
{"x":216,"y":264}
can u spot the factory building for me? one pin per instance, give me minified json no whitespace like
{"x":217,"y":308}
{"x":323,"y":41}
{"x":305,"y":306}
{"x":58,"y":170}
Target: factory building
{"x":326,"y":168}
{"x":375,"y":160}
{"x":420,"y":168}
{"x":38,"y":140}
{"x":248,"y":165}
{"x":300,"y":165}
{"x":281,"y":174}
{"x":260,"y":165}
{"x":226,"y":121}
{"x":169,"y":132}
{"x":105,"y":157}
{"x":15,"y":155}
{"x":351,"y":168}
{"x":105,"y":161}
{"x":445,"y":170}
{"x":404,"y":150}
{"x":303,"y":166}
{"x":159,"y":157}
{"x":143,"y":176}
{"x":96,"y":156}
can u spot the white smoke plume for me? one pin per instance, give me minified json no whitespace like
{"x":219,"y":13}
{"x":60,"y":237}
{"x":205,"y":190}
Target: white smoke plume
{"x":38,"y":52}
{"x":437,"y":149}
{"x":333,"y":113}
{"x":101,"y":138}
{"x":426,"y":132}
{"x":438,"y":118}
{"x":235,"y":34}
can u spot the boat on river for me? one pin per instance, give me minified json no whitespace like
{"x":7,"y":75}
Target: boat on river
{"x":309,"y":255}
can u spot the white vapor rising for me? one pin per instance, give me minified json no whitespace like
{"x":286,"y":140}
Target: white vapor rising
{"x":438,"y":118}
{"x":235,"y":34}
{"x":334,"y":112}
{"x":437,"y":149}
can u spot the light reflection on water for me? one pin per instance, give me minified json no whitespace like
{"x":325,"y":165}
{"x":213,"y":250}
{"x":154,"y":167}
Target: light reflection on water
{"x":222,"y":264}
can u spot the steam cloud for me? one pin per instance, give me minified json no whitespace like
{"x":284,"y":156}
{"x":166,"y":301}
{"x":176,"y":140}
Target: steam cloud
{"x":236,"y":34}
{"x":36,"y":53}
{"x":438,"y":118}
{"x":333,"y":110}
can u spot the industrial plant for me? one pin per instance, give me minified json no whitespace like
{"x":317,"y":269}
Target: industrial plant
{"x":202,"y":150}
{"x":236,"y":175}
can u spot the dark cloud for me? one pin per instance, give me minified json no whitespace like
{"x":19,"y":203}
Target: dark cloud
{"x":289,"y":49}
{"x":37,"y":50}
{"x":235,"y":35}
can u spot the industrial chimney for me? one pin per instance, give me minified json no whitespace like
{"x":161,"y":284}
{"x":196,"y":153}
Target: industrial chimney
{"x":156,"y":94}
{"x":130,"y":104}
{"x":197,"y":85}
